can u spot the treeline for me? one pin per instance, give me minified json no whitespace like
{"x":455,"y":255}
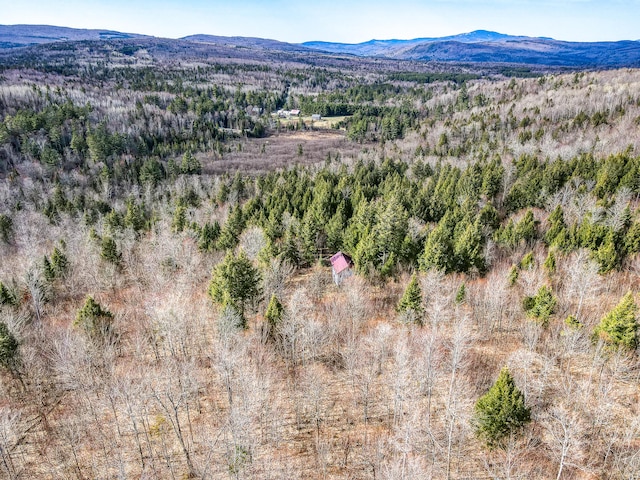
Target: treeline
{"x":417,"y":77}
{"x":392,"y":217}
{"x":60,"y":134}
{"x":367,"y":106}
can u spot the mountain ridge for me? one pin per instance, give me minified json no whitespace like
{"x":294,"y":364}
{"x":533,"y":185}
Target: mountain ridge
{"x":484,"y":46}
{"x":22,"y":35}
{"x":479,"y":46}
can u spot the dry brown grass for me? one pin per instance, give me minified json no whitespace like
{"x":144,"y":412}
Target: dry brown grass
{"x":281,"y":151}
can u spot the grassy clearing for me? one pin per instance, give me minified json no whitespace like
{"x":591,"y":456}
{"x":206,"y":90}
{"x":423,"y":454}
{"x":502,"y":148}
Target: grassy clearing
{"x":323,"y":123}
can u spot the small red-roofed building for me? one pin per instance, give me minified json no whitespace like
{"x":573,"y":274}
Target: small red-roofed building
{"x":341,"y":266}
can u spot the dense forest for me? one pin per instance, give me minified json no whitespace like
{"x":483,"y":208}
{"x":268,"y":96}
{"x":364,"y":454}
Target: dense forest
{"x":167,"y":307}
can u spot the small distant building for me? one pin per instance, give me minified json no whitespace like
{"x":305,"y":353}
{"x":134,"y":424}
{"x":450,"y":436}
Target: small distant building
{"x":294,"y":113}
{"x":341,"y":267}
{"x":316,"y":117}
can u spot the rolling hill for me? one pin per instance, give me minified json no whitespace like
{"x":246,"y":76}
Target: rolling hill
{"x":12,"y":36}
{"x":246,"y":42}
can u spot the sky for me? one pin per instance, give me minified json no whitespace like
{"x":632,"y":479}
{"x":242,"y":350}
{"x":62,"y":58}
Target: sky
{"x":338,"y":21}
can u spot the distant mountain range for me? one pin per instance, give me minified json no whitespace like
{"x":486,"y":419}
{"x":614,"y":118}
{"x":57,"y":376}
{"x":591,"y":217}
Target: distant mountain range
{"x":480,"y":46}
{"x":12,"y":36}
{"x":483,"y":46}
{"x":247,"y":42}
{"x":395,"y":48}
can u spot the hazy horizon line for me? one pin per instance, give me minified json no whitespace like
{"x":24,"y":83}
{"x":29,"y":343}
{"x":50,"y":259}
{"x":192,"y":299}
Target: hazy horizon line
{"x":380,"y":39}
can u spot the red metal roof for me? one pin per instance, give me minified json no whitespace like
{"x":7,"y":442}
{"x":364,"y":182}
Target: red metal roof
{"x":340,"y":262}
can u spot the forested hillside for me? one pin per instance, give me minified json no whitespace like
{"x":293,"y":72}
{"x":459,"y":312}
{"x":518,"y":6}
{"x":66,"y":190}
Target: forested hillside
{"x":167,"y":308}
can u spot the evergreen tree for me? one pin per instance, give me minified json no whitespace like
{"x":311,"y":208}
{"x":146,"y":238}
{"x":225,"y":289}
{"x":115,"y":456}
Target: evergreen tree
{"x":619,"y":327}
{"x":7,"y":296}
{"x":98,"y":144}
{"x":273,"y":315}
{"x":309,"y":234}
{"x":526,"y":229}
{"x":461,"y":294}
{"x":542,"y":305}
{"x":109,"y":250}
{"x":151,"y":172}
{"x":134,"y":218}
{"x":528,"y":262}
{"x":506,"y":235}
{"x":113,"y":220}
{"x":56,"y":266}
{"x":78,"y":142}
{"x":391,"y":228}
{"x":468,"y":249}
{"x":557,"y":228}
{"x":573,"y":323}
{"x":512,"y":234}
{"x":438,"y":249}
{"x":632,"y":239}
{"x":208,"y":235}
{"x":47,"y":270}
{"x":6,"y":228}
{"x":607,"y":254}
{"x":514,"y":273}
{"x":179,"y":220}
{"x":173,"y":169}
{"x":8,"y":347}
{"x":411,"y":302}
{"x":232,"y":229}
{"x":289,"y":249}
{"x":190,"y":165}
{"x":501,"y":412}
{"x":335,"y":228}
{"x":59,"y":262}
{"x":550,"y":263}
{"x":235,"y":282}
{"x":492,"y":177}
{"x":365,"y":255}
{"x":94,"y":320}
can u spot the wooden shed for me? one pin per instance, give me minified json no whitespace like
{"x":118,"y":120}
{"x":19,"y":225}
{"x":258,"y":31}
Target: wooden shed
{"x":341,"y":267}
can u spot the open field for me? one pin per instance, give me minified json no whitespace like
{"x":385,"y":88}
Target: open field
{"x":323,"y":123}
{"x":282,"y":150}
